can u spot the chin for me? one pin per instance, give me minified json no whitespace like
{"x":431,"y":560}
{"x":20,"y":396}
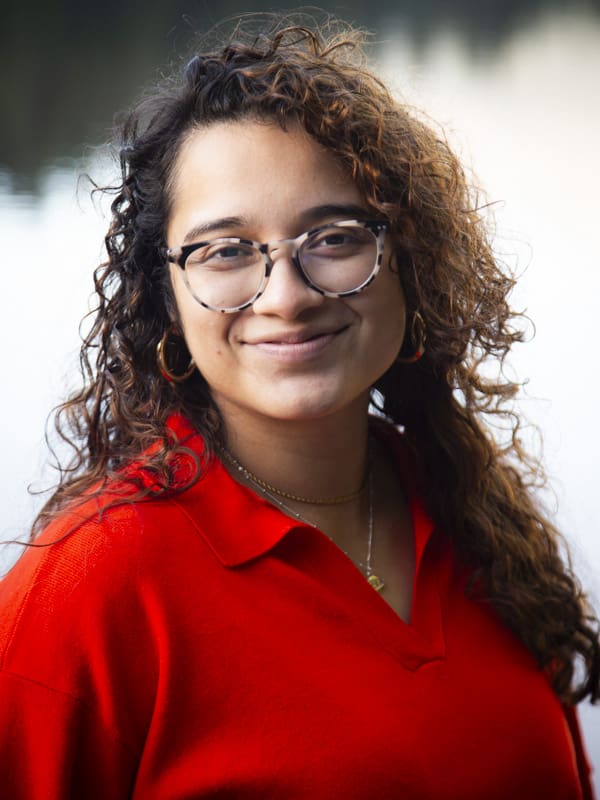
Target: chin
{"x":314,"y":404}
{"x":300,"y":412}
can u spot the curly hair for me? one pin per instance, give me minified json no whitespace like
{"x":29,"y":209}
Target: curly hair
{"x":478,"y":489}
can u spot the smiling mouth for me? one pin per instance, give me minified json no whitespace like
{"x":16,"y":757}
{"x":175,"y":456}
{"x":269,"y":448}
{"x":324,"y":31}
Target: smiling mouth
{"x":299,"y":345}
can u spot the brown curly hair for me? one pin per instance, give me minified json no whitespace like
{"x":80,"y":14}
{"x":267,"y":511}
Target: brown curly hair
{"x":478,"y":489}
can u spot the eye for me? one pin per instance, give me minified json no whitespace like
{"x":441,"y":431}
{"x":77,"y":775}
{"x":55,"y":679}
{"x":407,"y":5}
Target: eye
{"x":227,"y":252}
{"x":224,"y":255}
{"x":337,"y":242}
{"x":335,"y":239}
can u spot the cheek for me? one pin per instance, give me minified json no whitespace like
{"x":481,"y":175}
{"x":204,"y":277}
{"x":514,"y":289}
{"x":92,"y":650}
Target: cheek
{"x":205,"y":336}
{"x":202,"y":329}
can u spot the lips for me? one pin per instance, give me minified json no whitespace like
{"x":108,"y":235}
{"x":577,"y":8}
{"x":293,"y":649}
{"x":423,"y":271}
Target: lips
{"x":295,"y":345}
{"x":294,"y":337}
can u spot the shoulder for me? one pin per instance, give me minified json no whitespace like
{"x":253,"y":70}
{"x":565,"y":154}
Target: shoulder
{"x":101,"y":531}
{"x":78,"y":630}
{"x":88,"y":578}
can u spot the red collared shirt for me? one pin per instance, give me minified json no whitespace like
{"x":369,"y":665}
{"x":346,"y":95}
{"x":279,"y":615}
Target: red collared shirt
{"x":207,"y":646}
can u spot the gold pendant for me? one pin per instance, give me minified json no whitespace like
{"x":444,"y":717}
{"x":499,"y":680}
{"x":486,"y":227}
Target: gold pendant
{"x":376,"y":582}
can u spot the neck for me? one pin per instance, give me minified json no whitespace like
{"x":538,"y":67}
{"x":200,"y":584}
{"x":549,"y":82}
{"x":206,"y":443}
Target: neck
{"x":309,"y":458}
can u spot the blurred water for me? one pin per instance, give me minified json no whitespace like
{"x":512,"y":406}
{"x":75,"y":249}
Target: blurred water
{"x":525,"y":116}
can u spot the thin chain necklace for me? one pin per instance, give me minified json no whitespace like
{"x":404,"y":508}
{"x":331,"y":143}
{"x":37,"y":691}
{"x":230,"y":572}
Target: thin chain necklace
{"x":271,"y":492}
{"x":314,"y":501}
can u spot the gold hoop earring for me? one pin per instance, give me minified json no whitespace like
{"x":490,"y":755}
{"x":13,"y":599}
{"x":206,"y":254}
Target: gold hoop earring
{"x":417,"y":337}
{"x":167,"y":374}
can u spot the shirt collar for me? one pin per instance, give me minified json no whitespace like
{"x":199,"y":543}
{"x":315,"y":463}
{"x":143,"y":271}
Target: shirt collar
{"x":239,"y":525}
{"x":236,"y":523}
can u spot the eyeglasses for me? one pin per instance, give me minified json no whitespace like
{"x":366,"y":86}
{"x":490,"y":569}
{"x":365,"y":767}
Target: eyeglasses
{"x":337,"y":260}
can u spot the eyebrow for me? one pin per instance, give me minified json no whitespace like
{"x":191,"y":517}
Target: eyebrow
{"x":198,"y":231}
{"x":309,"y":217}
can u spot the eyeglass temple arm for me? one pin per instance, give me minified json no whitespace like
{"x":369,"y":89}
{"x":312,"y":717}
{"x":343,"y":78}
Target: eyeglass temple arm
{"x":173,"y":254}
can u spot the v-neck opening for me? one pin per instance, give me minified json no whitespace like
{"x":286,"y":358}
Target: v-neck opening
{"x":414,"y":642}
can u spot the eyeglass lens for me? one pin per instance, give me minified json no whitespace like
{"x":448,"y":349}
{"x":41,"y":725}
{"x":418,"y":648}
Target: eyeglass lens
{"x":227,"y":273}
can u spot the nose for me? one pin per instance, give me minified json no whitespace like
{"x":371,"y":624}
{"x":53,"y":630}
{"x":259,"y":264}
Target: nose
{"x":286,"y":294}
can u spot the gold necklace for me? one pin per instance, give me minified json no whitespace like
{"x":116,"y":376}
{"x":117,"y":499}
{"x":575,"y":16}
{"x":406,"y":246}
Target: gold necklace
{"x":314,"y":501}
{"x":366,"y":567}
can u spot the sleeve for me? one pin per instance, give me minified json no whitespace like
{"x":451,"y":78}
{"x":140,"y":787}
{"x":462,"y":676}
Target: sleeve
{"x":53,"y":748}
{"x":77,"y":667}
{"x":583,"y":766}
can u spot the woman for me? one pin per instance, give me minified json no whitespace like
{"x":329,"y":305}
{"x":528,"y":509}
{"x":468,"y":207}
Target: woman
{"x":246,"y":585}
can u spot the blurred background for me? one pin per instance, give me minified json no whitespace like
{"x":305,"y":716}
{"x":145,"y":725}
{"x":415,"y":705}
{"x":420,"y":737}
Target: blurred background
{"x":514,"y":83}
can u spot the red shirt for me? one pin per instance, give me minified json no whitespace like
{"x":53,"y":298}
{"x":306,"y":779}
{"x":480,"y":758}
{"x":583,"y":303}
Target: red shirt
{"x":207,"y":646}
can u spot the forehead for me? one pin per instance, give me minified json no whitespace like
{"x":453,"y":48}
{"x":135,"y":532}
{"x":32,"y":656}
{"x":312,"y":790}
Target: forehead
{"x":256,"y":171}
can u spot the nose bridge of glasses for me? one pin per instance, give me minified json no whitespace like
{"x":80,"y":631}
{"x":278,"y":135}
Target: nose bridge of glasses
{"x":283,"y":248}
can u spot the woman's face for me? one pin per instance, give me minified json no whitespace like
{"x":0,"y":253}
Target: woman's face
{"x":294,"y":354}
